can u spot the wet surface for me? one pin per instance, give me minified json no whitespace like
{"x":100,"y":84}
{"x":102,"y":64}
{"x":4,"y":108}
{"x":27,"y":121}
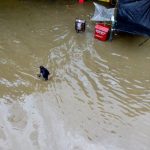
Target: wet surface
{"x":98,"y":97}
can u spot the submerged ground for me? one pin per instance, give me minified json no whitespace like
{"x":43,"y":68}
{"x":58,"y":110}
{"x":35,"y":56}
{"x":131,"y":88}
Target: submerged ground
{"x":98,"y":97}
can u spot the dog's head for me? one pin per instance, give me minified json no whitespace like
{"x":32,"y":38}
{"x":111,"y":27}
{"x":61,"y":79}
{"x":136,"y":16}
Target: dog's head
{"x":41,"y":67}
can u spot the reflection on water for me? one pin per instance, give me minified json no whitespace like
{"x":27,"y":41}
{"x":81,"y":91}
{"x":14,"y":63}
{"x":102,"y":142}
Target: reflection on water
{"x":98,"y":96}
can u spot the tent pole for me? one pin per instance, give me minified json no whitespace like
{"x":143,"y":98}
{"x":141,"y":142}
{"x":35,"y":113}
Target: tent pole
{"x":113,"y":22}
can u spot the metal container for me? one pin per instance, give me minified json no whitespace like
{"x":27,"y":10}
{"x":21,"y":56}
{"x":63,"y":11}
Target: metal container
{"x":80,"y":25}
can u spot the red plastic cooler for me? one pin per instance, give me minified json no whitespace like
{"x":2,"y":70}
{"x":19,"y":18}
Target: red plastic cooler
{"x":102,"y":31}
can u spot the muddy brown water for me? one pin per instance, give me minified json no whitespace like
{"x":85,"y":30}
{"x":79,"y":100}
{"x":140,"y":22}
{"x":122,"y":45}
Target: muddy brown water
{"x":98,"y":97}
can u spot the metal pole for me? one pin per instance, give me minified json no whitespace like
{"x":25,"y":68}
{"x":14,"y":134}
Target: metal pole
{"x":113,"y":19}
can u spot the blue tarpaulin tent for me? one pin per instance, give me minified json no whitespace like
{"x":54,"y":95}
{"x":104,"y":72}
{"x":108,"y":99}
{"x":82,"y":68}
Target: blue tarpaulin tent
{"x":133,"y":16}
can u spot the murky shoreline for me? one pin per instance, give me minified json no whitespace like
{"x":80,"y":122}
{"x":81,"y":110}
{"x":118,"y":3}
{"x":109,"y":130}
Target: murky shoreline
{"x":98,"y":96}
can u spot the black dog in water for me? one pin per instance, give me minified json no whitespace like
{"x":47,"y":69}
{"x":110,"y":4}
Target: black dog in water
{"x":44,"y":73}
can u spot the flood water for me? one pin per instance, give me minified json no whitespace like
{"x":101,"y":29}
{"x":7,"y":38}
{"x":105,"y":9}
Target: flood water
{"x":98,"y":96}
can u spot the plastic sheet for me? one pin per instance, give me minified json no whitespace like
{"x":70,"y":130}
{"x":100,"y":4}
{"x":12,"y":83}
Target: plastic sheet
{"x":102,"y":13}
